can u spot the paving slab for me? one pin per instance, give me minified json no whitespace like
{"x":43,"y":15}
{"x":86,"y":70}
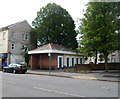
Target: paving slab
{"x":95,"y":75}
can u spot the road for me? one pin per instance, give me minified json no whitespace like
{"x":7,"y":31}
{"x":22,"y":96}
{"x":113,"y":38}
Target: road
{"x":28,"y":85}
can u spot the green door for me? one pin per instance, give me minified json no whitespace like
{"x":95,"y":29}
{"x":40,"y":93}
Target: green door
{"x":60,"y":61}
{"x":76,"y":60}
{"x":68,"y":62}
{"x":72,"y":62}
{"x":80,"y":60}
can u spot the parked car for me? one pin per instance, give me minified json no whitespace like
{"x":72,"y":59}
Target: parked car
{"x":15,"y":68}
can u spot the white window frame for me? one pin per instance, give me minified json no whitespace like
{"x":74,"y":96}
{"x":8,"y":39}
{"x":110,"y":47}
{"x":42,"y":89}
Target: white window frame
{"x":62,"y":60}
{"x":26,"y":37}
{"x":23,"y":37}
{"x":69,"y":61}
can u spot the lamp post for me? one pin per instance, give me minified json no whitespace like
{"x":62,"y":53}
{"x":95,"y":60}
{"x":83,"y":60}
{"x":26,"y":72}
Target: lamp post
{"x":50,"y":60}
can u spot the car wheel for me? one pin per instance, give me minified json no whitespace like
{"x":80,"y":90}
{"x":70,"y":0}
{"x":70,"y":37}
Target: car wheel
{"x":4,"y":70}
{"x":14,"y":71}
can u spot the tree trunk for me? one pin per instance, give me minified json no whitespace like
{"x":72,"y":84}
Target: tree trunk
{"x":106,"y":62}
{"x":95,"y":57}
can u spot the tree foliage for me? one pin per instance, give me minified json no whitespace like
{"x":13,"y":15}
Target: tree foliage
{"x":100,"y":27}
{"x":25,"y":54}
{"x":53,"y":24}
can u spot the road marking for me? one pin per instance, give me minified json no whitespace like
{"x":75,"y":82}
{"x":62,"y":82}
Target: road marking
{"x":58,"y":92}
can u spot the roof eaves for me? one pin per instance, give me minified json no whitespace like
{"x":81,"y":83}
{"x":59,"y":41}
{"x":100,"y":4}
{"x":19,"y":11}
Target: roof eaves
{"x":54,"y":51}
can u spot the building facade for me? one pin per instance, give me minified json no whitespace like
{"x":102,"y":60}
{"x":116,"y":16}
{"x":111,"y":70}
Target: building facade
{"x":54,"y":56}
{"x":112,"y":58}
{"x":13,"y":38}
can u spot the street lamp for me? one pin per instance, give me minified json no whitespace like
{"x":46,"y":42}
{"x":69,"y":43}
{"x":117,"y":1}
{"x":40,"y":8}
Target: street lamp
{"x":50,"y":60}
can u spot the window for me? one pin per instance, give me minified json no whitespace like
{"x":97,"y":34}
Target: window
{"x":23,"y":37}
{"x":13,"y":34}
{"x":4,"y":35}
{"x":24,"y":48}
{"x":26,"y":37}
{"x":13,"y":46}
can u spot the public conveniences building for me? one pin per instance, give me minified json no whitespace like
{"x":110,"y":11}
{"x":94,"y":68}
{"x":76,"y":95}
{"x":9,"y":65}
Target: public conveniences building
{"x":54,"y":56}
{"x":12,"y":39}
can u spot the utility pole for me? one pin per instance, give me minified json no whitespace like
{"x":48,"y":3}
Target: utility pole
{"x":50,"y":62}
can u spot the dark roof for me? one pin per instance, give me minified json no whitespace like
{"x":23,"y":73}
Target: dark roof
{"x":52,"y":46}
{"x":7,"y":27}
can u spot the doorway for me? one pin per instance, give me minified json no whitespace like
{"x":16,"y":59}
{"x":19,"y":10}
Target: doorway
{"x":60,"y":61}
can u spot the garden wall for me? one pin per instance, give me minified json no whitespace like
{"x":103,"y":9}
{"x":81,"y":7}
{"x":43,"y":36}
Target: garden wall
{"x":101,"y":66}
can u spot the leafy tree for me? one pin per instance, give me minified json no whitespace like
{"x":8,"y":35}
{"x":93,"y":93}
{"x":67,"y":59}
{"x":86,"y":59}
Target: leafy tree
{"x":53,"y":24}
{"x":98,"y":28}
{"x":25,"y":54}
{"x":33,"y":37}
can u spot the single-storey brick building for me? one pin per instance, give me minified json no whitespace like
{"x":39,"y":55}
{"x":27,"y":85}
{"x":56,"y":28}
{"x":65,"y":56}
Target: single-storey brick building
{"x":54,"y":56}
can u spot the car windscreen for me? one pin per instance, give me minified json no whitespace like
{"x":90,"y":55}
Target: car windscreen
{"x":14,"y":65}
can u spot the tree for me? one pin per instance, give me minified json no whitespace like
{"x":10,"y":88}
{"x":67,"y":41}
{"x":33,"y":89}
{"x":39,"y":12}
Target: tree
{"x":53,"y":24}
{"x":99,"y":27}
{"x":25,"y":54}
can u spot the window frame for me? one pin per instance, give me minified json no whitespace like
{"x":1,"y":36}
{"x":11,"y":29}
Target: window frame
{"x":26,"y":38}
{"x":23,"y":37}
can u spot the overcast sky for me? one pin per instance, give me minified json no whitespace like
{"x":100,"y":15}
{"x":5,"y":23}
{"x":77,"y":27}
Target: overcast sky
{"x":12,"y":11}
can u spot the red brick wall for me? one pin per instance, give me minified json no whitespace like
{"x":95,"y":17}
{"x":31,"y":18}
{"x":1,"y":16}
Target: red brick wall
{"x":113,"y":66}
{"x":54,"y":61}
{"x":35,"y":63}
{"x":44,"y":63}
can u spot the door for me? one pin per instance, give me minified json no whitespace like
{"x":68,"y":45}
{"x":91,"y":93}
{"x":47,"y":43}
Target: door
{"x":72,"y":62}
{"x":80,"y":60}
{"x":60,"y":61}
{"x":68,"y":61}
{"x":76,"y":60}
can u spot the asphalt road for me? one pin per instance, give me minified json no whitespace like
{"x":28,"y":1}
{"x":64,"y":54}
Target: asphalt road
{"x":28,"y":85}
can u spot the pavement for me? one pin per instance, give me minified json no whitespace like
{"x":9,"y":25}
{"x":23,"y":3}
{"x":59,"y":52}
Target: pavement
{"x":111,"y":76}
